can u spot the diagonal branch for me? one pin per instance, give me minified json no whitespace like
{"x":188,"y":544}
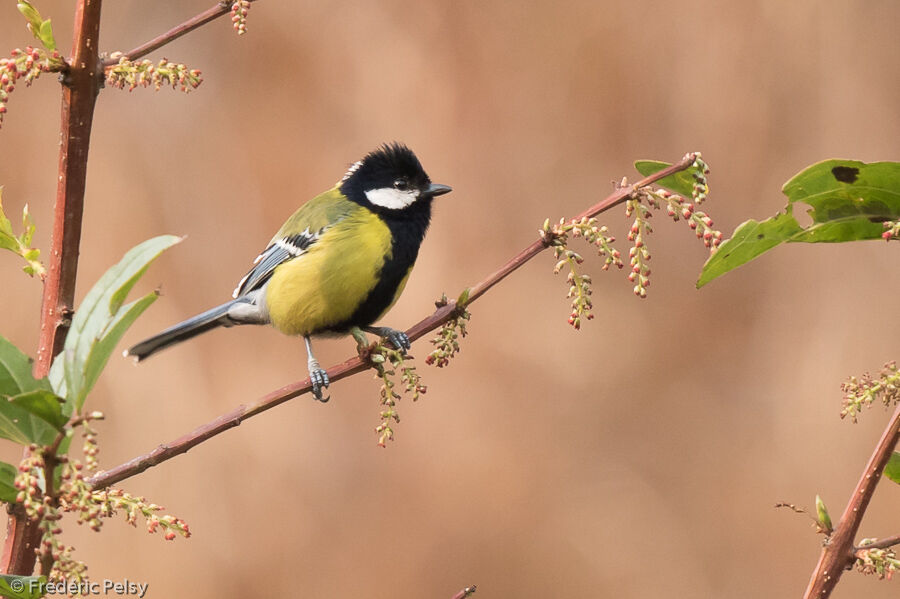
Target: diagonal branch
{"x":356,"y":364}
{"x":210,"y":14}
{"x":839,"y":552}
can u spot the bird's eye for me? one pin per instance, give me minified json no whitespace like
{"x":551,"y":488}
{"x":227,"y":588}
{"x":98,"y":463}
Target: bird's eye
{"x":401,"y":184}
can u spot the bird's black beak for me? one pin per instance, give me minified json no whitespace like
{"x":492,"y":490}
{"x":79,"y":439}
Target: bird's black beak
{"x":436,"y":189}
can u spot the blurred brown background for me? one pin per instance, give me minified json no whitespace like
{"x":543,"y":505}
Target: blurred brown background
{"x":638,"y":458}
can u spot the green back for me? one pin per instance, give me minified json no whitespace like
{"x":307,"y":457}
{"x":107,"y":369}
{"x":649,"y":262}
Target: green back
{"x":323,"y":210}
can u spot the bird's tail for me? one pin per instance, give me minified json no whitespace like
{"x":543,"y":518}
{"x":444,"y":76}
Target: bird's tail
{"x":216,"y":317}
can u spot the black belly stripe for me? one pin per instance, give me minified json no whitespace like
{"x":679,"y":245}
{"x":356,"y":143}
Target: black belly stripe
{"x":407,"y":234}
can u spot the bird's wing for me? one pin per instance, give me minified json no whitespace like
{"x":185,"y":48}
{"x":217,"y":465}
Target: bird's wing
{"x":296,"y":236}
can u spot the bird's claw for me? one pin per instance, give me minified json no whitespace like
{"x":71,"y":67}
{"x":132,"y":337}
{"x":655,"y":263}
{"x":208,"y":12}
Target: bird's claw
{"x":399,"y":339}
{"x":319,"y":380}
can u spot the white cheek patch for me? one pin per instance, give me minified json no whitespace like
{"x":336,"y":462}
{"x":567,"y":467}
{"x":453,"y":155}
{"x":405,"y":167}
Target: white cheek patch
{"x":393,"y":199}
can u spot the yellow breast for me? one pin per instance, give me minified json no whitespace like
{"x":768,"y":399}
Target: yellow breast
{"x":325,"y":286}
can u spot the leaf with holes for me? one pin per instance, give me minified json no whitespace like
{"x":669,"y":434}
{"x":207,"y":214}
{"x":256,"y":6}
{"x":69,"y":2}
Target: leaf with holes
{"x":849,"y":201}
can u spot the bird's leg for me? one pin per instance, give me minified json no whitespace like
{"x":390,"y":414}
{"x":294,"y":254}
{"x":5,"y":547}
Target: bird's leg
{"x":317,"y":376}
{"x":398,"y":338}
{"x":362,"y":342}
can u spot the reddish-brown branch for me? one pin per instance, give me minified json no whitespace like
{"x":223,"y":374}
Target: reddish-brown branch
{"x":839,"y":553}
{"x":81,"y":83}
{"x":880,"y":544}
{"x":465,"y":593}
{"x":355,"y":364}
{"x":220,"y":8}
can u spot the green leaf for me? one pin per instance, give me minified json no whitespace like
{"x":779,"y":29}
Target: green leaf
{"x":892,"y":470}
{"x":104,"y":348}
{"x":45,"y":34}
{"x":100,"y":322}
{"x":57,"y":378}
{"x":8,"y":491}
{"x":44,"y":404}
{"x":7,"y":238}
{"x":21,"y":426}
{"x":27,"y":226}
{"x":681,"y":182}
{"x":40,"y":29}
{"x":15,"y":371}
{"x":20,"y":244}
{"x":30,"y":13}
{"x":29,"y":411}
{"x":849,"y":200}
{"x":748,"y":241}
{"x":22,"y":587}
{"x":823,"y":519}
{"x":463,"y":298}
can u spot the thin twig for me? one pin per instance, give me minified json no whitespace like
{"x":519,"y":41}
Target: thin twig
{"x":356,"y":364}
{"x":879,"y":544}
{"x":81,"y":83}
{"x":210,"y":14}
{"x":839,"y":553}
{"x":465,"y":593}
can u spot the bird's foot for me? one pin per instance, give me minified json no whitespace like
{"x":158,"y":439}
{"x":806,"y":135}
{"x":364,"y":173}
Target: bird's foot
{"x":319,"y":379}
{"x":398,"y":339}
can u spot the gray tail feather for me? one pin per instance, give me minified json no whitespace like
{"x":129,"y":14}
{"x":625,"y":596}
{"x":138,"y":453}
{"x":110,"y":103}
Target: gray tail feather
{"x":216,"y":317}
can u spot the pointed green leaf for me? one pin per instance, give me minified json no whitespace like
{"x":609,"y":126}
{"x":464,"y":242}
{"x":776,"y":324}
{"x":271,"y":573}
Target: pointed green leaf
{"x":27,"y":227}
{"x":104,"y":348}
{"x":681,"y":182}
{"x":849,"y":201}
{"x":892,"y":470}
{"x":749,"y":240}
{"x":22,"y":587}
{"x":45,"y":34}
{"x":101,"y":320}
{"x":8,"y":491}
{"x":31,"y":14}
{"x":40,"y":29}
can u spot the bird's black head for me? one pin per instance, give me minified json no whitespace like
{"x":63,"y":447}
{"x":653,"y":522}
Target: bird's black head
{"x":390,"y":181}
